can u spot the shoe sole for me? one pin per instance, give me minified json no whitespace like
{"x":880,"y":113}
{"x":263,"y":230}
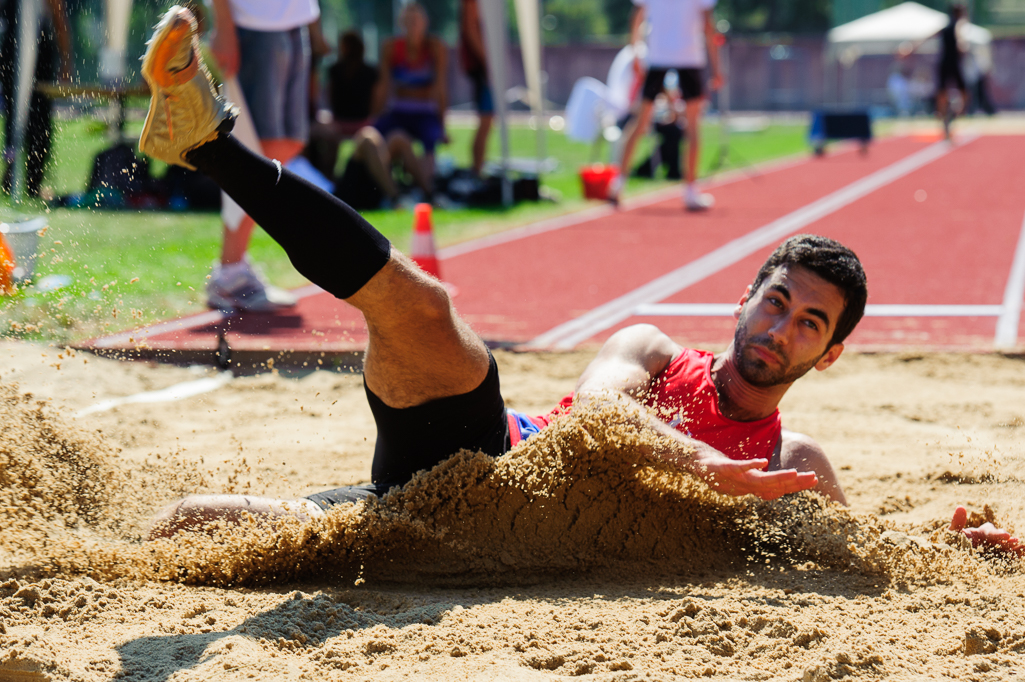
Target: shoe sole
{"x":176,"y":25}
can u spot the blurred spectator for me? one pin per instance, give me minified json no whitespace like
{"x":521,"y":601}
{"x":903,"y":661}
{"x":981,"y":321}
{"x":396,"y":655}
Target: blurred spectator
{"x":950,"y":68}
{"x":367,"y":182}
{"x":682,"y":37}
{"x":53,"y":62}
{"x":412,"y":95}
{"x":265,"y":44}
{"x":350,"y":91}
{"x":474,"y":60}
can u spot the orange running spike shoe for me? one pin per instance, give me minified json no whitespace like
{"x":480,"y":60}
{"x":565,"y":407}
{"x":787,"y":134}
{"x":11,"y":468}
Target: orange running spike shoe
{"x":185,"y":110}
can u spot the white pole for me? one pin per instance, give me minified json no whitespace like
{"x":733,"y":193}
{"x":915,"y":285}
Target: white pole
{"x":28,"y":29}
{"x":528,"y":19}
{"x":112,"y":55}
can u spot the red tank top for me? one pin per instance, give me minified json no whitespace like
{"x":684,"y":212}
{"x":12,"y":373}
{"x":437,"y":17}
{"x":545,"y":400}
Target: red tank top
{"x":684,"y":397}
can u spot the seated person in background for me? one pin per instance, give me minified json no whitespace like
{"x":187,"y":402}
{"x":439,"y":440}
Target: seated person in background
{"x":411,"y":94}
{"x":367,"y":182}
{"x":350,"y":91}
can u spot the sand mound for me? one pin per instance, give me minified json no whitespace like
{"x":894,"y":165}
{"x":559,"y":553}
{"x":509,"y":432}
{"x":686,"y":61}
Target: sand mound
{"x":582,"y":495}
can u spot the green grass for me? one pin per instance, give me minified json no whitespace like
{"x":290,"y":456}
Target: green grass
{"x":130,"y":268}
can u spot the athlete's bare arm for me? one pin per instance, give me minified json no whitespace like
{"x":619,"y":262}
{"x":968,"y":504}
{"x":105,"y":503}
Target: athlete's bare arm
{"x":623,"y":370}
{"x":801,"y":452}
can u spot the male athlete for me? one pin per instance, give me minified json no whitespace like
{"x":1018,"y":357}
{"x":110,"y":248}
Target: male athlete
{"x":431,"y":382}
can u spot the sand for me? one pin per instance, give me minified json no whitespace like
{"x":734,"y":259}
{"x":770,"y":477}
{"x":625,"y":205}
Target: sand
{"x":573,"y":556}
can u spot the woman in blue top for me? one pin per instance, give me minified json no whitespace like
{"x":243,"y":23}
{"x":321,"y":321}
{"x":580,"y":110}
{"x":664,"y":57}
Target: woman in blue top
{"x":412,"y":91}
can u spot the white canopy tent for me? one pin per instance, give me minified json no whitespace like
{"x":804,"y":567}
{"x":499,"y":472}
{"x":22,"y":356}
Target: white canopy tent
{"x":884,"y":32}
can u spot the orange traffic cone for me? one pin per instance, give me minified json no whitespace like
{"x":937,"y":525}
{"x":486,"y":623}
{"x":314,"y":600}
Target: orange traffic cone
{"x":422,"y":249}
{"x":6,"y":267}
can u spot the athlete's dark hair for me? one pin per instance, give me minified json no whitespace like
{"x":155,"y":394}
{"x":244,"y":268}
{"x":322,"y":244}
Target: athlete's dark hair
{"x":833,"y":262}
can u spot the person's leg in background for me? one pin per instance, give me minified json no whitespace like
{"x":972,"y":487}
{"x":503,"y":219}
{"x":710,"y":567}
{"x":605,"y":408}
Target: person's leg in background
{"x":653,"y":85}
{"x":370,"y":149}
{"x":274,"y":77}
{"x":485,"y":115}
{"x":400,"y":149}
{"x":693,"y":93}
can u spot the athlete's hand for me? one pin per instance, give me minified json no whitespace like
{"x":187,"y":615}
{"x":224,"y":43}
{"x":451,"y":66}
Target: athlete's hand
{"x":746,"y":477}
{"x":718,"y":80}
{"x":987,"y":535}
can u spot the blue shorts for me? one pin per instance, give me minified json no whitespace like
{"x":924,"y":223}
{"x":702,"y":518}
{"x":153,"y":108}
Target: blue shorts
{"x":419,"y":123}
{"x":274,"y":73}
{"x":482,"y":99}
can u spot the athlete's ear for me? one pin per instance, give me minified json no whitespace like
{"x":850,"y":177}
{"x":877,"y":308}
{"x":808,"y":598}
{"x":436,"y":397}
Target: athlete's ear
{"x":831,"y":356}
{"x":742,"y":301}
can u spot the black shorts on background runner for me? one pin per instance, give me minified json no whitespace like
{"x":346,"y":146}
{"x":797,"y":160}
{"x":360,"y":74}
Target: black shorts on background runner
{"x":417,"y":438}
{"x":691,"y":82}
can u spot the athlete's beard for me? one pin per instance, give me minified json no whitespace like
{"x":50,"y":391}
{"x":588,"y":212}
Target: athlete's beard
{"x":756,"y":371}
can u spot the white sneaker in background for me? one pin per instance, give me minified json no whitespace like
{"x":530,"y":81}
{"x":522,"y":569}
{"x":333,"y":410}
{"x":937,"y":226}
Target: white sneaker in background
{"x":240,"y":287}
{"x":615,"y":189}
{"x":695,"y":200}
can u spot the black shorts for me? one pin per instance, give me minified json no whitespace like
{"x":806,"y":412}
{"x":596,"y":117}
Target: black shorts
{"x":418,"y":438}
{"x":691,"y":82}
{"x":950,"y":75}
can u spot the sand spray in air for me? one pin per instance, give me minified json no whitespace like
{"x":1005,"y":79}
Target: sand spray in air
{"x":582,"y":495}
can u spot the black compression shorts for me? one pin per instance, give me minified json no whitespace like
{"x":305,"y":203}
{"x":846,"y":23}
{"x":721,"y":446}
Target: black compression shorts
{"x":691,"y":82}
{"x":418,"y":438}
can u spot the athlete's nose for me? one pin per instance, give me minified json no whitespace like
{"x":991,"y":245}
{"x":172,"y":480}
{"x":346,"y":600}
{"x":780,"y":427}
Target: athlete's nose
{"x":779,"y":332}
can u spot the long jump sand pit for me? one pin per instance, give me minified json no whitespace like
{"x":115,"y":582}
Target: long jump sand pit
{"x":573,"y":556}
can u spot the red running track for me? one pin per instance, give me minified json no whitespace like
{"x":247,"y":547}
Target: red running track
{"x":546,"y":286}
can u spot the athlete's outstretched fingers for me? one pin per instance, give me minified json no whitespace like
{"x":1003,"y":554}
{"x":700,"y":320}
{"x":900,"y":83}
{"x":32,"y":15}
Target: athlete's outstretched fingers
{"x":987,"y":535}
{"x":960,"y":519}
{"x":747,"y":477}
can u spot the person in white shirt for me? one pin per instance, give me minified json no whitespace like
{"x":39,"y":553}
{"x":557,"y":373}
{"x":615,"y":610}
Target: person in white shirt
{"x":682,"y":37}
{"x":263,"y":51}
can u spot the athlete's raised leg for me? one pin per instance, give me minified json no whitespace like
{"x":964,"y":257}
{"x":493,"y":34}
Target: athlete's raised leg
{"x":419,"y":350}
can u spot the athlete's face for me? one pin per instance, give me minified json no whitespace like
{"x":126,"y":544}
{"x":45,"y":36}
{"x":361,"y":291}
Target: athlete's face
{"x":784,"y":328}
{"x":415,"y":22}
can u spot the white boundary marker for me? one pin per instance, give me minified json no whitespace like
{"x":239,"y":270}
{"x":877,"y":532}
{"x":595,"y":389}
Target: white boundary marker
{"x":871,"y":310}
{"x":139,"y":335}
{"x":1007,"y":325}
{"x":569,"y":334}
{"x":186,"y":389}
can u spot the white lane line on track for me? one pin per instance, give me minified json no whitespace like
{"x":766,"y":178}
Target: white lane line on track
{"x":210,"y":317}
{"x":1007,"y":325}
{"x":871,"y":310}
{"x":540,"y":227}
{"x":646,"y":199}
{"x":569,"y":334}
{"x":187,"y":389}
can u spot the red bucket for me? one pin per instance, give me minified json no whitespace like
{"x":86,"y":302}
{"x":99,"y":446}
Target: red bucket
{"x":597,"y":178}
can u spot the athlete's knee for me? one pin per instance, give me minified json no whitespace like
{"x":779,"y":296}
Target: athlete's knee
{"x":427,"y":299}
